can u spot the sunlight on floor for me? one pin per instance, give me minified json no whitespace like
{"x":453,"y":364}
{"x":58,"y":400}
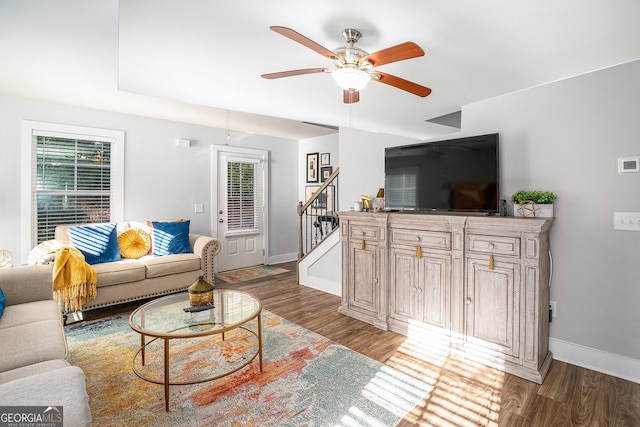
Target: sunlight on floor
{"x":463,"y":393}
{"x":391,"y":391}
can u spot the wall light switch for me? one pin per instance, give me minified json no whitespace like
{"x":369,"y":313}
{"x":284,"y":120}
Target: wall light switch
{"x":198,"y":208}
{"x":628,"y":221}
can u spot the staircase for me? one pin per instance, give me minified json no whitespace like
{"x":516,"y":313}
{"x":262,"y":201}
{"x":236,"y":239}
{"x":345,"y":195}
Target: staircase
{"x":317,"y":218}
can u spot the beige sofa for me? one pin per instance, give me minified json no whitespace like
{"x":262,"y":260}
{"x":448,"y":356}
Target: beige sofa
{"x":33,"y":352}
{"x":149,"y":276}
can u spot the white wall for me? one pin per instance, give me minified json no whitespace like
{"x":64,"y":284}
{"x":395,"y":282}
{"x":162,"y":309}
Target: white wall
{"x":566,"y":137}
{"x":362,"y":163}
{"x":161,"y":180}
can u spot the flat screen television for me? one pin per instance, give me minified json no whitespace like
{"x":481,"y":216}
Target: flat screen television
{"x":455,"y":175}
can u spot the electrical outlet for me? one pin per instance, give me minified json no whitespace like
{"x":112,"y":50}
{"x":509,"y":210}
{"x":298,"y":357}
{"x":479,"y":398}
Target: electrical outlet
{"x":198,"y":208}
{"x":552,"y":307}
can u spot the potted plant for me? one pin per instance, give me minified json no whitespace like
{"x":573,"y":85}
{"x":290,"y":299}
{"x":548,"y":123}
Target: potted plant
{"x":535,"y":203}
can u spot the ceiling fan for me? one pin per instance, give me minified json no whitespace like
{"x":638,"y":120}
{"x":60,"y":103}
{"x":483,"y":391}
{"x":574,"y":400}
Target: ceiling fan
{"x":354,"y":67}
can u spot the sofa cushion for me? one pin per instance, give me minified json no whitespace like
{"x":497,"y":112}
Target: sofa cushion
{"x":35,"y":332}
{"x":97,"y":242}
{"x":171,"y":264}
{"x":64,"y":387}
{"x":171,"y":238}
{"x":34,"y":369}
{"x":134,"y":243}
{"x":123,"y":271}
{"x":35,"y":311}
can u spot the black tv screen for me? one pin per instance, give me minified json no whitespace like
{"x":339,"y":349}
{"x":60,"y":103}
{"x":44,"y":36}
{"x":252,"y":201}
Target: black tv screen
{"x":455,"y":175}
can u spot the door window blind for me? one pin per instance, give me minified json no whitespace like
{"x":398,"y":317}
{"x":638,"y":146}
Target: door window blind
{"x":244,"y":196}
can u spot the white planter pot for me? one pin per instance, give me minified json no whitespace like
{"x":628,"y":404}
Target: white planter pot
{"x":541,"y":211}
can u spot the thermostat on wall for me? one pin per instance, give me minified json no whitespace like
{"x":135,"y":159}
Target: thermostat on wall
{"x":628,"y":165}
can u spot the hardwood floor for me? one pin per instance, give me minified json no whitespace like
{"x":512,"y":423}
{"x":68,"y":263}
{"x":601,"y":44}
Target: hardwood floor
{"x":463,"y":393}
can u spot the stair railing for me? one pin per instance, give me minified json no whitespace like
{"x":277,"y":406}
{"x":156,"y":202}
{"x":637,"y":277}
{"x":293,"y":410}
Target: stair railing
{"x":317,"y":217}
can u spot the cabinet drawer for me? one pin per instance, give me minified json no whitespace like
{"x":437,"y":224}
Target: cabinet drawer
{"x":366,"y":232}
{"x":426,"y":239}
{"x":493,"y":245}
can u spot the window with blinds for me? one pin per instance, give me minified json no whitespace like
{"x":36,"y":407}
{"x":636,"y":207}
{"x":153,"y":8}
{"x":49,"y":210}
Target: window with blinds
{"x":72,"y":183}
{"x":244,"y":197}
{"x":401,"y":187}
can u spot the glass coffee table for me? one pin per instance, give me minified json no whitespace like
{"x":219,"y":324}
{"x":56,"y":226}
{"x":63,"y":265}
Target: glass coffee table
{"x":165,"y":319}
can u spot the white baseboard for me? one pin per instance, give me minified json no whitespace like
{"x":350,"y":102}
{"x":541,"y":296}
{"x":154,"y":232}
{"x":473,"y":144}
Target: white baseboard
{"x":322,"y":285}
{"x":596,"y":360}
{"x":277,"y":259}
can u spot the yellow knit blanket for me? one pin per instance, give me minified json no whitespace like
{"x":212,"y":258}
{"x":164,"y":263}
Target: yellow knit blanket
{"x":74,"y":281}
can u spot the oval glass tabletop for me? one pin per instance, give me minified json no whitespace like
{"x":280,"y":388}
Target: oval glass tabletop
{"x":166,"y":318}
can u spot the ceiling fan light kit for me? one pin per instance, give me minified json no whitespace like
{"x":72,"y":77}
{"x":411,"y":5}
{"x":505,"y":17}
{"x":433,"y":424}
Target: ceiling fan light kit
{"x":351,"y":79}
{"x":354,"y":66}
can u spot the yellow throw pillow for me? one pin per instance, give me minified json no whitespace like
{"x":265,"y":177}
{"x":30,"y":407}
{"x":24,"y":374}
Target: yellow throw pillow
{"x":134,"y":243}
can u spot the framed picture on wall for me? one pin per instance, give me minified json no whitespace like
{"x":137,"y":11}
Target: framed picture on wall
{"x":312,"y":167}
{"x":325,"y":172}
{"x":325,"y":159}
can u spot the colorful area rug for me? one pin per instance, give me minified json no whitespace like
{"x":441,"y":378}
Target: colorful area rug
{"x":307,"y":380}
{"x":250,"y":273}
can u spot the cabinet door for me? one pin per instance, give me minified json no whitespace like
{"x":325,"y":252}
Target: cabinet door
{"x":363,"y":281}
{"x":403,"y":284}
{"x":493,"y":308}
{"x":420,"y":286}
{"x":434,"y":274}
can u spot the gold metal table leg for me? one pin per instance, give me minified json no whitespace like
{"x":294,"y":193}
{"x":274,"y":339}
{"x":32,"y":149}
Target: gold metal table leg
{"x":142,"y":346}
{"x":260,"y":339}
{"x":166,"y":374}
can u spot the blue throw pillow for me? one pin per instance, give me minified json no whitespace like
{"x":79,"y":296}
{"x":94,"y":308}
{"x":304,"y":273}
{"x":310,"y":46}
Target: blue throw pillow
{"x":171,"y":238}
{"x":3,"y":302}
{"x":97,"y":242}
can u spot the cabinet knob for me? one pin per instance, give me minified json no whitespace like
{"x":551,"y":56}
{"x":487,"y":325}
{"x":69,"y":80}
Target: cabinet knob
{"x":417,"y":238}
{"x":491,"y":246}
{"x":468,"y":300}
{"x":415,"y":289}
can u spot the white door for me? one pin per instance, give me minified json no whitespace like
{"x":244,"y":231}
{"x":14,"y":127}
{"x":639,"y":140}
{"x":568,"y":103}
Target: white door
{"x":241,"y":210}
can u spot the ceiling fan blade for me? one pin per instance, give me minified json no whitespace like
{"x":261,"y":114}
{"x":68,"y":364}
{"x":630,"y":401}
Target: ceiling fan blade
{"x":400,"y":52}
{"x":350,"y":96}
{"x":403,"y":84}
{"x":297,"y":37}
{"x":294,"y":73}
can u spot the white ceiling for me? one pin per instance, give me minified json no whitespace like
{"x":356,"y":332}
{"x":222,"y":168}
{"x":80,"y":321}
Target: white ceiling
{"x":200,"y":61}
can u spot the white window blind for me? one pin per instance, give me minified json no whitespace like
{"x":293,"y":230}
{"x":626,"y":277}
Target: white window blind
{"x":244,"y":196}
{"x":72,"y":183}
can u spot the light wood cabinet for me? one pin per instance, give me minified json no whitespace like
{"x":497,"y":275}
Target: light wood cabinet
{"x":478,"y":285}
{"x":364,"y":270}
{"x":420,"y":275}
{"x":492,"y":309}
{"x":419,"y":289}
